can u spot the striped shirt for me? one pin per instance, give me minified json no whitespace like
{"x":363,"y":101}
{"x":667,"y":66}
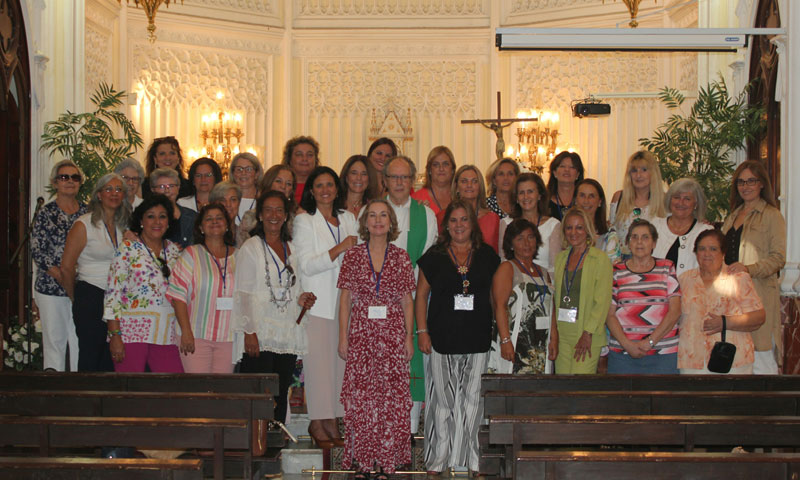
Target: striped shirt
{"x":197,"y":280}
{"x":641,"y":301}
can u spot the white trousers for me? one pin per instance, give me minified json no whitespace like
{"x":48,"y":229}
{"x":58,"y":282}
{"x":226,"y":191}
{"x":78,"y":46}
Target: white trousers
{"x":58,"y":331}
{"x":453,"y":410}
{"x":765,"y":363}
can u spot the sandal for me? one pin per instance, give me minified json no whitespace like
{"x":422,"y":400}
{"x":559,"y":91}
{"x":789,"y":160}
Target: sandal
{"x":381,"y":475}
{"x":361,"y":476}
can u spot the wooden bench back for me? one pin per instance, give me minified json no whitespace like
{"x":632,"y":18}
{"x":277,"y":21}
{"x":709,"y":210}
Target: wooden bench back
{"x":19,"y":468}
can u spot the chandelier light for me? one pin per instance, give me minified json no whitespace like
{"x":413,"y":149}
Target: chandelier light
{"x":537,"y":139}
{"x":150,"y":7}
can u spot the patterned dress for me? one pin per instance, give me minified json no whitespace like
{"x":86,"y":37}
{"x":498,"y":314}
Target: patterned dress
{"x":529,"y":308}
{"x":375,"y":393}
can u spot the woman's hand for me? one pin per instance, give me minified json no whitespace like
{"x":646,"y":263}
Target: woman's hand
{"x":251,"y":344}
{"x":583,"y":347}
{"x":55,"y":272}
{"x":424,"y":342}
{"x":343,"y":347}
{"x":129,"y":236}
{"x":117,"y":348}
{"x":637,"y":348}
{"x":409,"y":347}
{"x":552,"y":346}
{"x":349,"y":242}
{"x":187,"y":342}
{"x":712,"y":324}
{"x":306,"y":300}
{"x":507,"y":351}
{"x":737,"y":267}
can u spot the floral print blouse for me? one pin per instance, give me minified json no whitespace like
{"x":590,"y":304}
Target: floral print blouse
{"x":136,"y":294}
{"x":47,"y":244}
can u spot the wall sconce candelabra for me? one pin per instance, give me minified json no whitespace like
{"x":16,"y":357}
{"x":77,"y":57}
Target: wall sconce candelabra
{"x":537,"y":140}
{"x":218,"y":132}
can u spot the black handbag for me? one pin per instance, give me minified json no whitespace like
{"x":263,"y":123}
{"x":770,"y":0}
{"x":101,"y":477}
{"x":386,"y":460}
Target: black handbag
{"x":722,"y":354}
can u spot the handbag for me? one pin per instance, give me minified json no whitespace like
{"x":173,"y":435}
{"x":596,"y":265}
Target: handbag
{"x":722,"y":354}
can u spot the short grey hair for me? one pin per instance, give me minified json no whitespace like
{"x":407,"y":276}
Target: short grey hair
{"x":95,"y":207}
{"x":252,"y":159}
{"x":65,"y":163}
{"x":131,"y":163}
{"x":688,"y":185}
{"x":164,"y":172}
{"x":411,"y":165}
{"x":221,"y":189}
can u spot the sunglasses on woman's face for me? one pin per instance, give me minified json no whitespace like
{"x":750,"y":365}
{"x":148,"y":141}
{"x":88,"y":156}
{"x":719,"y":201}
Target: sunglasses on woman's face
{"x":64,"y":177}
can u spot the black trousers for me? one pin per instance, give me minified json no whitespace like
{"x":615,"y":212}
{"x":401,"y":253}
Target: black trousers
{"x":87,"y":313}
{"x":269,"y":362}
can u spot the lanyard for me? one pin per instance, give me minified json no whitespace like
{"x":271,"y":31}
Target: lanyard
{"x":279,"y":269}
{"x":377,"y":276}
{"x":336,"y":238}
{"x":162,"y":264}
{"x":115,"y":243}
{"x":561,"y":207}
{"x":543,"y":288}
{"x":569,"y":282}
{"x":222,"y":272}
{"x":462,"y":269}
{"x":433,"y":194}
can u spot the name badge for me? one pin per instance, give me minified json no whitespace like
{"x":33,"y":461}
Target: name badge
{"x":463,"y":302}
{"x":224,"y":303}
{"x":377,"y":312}
{"x":569,"y":315}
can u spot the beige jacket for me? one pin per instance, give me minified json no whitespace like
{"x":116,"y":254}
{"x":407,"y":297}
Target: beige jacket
{"x":762,"y":250}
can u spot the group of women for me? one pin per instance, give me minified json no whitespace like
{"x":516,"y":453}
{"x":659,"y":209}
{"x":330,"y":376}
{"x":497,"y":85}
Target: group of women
{"x":299,"y":260}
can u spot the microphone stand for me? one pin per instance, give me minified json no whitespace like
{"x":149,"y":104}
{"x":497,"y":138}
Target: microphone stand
{"x":28,"y":308}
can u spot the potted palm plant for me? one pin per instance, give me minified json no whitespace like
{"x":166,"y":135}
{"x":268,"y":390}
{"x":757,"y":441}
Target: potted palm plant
{"x":90,"y":139}
{"x":700,"y":143}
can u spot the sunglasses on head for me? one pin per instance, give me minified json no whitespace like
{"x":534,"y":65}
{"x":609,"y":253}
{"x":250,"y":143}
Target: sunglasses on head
{"x":74,"y":177}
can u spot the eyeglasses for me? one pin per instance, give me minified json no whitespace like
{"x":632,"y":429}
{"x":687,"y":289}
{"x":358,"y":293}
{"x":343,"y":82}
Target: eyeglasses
{"x":131,"y":179}
{"x":749,"y":182}
{"x":113,"y":189}
{"x":166,"y":186}
{"x":243,"y":169}
{"x":205,"y":175}
{"x":64,"y":177}
{"x":399,"y":178}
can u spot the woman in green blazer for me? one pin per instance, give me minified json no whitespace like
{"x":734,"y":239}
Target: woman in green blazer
{"x":583,"y":278}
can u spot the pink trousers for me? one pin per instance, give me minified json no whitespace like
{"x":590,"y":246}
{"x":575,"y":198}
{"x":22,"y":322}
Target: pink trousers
{"x":160,"y":358}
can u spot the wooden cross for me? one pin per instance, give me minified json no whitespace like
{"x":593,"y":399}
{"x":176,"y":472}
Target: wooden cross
{"x":497,"y":125}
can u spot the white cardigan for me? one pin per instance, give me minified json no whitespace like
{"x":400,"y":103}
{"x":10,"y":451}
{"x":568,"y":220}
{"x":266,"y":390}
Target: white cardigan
{"x":312,"y":239}
{"x":687,"y":260}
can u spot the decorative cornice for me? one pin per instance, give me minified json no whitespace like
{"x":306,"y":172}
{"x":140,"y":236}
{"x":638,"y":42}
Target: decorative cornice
{"x":205,"y":39}
{"x":387,"y":48}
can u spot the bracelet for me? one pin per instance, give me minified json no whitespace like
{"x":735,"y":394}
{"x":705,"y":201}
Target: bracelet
{"x":111,"y":333}
{"x":503,"y":341}
{"x":422,"y":330}
{"x":652,"y":343}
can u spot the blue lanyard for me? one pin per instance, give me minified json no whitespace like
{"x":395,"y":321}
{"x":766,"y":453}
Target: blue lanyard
{"x":116,"y":244}
{"x":285,"y":262}
{"x":569,"y":282}
{"x":222,"y":272}
{"x":377,"y":276}
{"x":541,"y":288}
{"x":433,"y":194}
{"x":462,"y":269}
{"x":336,"y":238}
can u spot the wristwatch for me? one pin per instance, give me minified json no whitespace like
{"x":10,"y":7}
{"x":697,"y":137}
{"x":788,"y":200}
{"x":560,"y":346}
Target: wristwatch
{"x":652,"y":343}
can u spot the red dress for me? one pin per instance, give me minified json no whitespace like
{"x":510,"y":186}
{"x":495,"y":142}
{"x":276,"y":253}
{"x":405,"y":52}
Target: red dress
{"x":375,"y":392}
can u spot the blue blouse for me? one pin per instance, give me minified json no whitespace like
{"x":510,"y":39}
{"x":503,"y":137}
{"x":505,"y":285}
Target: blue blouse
{"x":47,"y":244}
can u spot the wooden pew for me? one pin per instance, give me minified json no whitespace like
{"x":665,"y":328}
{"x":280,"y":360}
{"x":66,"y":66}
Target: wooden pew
{"x":539,"y":383}
{"x":141,"y":382}
{"x":173,"y":433}
{"x":26,"y":468}
{"x":641,"y":403}
{"x":562,"y":465}
{"x":687,"y":431}
{"x":247,"y":406}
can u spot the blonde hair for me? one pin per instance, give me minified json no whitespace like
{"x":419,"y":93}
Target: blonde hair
{"x":587,"y":223}
{"x":626,"y":201}
{"x":481,"y":187}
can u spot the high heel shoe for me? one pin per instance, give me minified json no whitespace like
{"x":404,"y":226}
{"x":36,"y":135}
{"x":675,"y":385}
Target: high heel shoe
{"x":318,"y":435}
{"x":331,"y":428}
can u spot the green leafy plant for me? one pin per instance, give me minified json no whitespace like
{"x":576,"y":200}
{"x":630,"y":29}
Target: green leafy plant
{"x":700,"y":144}
{"x":90,"y":140}
{"x":19,"y":354}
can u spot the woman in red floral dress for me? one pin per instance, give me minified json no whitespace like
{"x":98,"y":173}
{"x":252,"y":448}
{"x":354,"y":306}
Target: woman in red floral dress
{"x":375,"y":339}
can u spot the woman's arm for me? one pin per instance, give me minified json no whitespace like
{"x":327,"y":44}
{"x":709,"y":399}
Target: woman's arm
{"x":776,"y":258}
{"x":421,"y":309}
{"x":746,"y":322}
{"x":600,"y":291}
{"x":669,"y":320}
{"x":501,"y":290}
{"x":632,"y":347}
{"x":115,"y":344}
{"x":76,"y":242}
{"x":310,"y":260}
{"x":182,"y":314}
{"x":344,"y":321}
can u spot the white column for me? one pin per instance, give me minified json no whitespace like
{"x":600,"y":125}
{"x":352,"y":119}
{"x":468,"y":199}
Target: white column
{"x":790,"y":146}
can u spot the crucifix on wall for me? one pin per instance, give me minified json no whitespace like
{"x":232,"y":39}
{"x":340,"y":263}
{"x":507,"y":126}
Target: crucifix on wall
{"x":497,"y":125}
